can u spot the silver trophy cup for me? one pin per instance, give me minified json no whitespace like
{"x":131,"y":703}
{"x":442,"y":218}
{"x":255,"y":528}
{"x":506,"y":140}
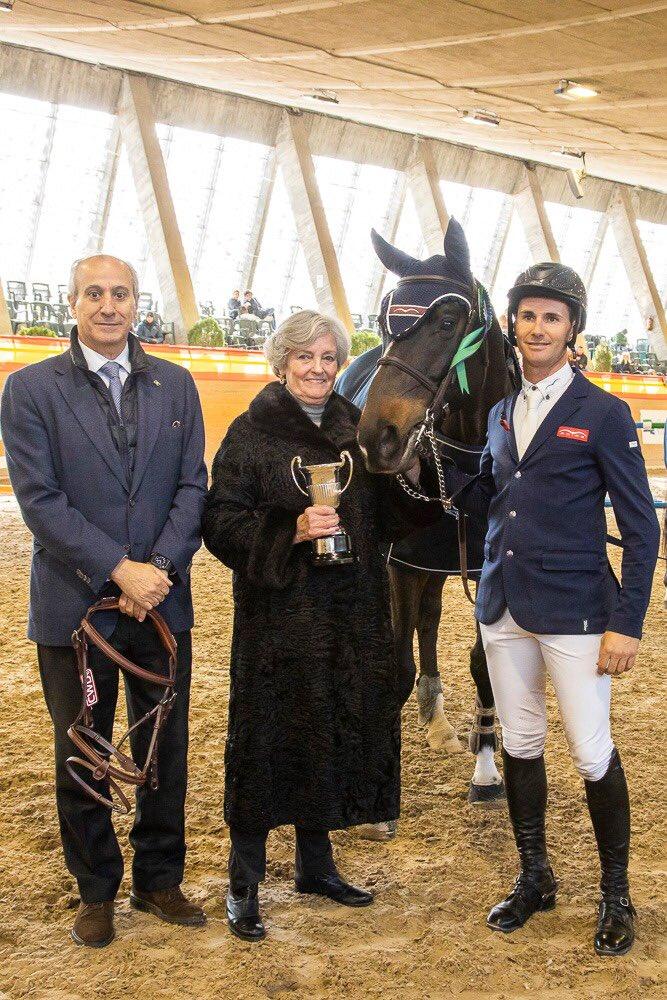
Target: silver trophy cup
{"x":323,"y":486}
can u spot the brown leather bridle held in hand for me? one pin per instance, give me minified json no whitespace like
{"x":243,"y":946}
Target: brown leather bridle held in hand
{"x":105,"y":761}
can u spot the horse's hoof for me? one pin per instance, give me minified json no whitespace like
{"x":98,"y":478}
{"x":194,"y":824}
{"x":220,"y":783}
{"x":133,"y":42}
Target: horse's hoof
{"x":378,"y":831}
{"x":445,"y":739}
{"x":486,"y":795}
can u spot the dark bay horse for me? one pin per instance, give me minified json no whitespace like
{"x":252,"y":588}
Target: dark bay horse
{"x":437,"y":314}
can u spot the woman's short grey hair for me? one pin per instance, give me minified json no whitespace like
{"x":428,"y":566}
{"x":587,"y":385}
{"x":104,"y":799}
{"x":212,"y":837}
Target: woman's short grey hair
{"x":73,"y":288}
{"x":301,"y":330}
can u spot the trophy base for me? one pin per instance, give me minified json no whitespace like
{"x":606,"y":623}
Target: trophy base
{"x":334,"y":550}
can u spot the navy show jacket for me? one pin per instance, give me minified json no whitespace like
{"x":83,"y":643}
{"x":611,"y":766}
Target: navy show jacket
{"x":75,"y":495}
{"x":545,"y":549}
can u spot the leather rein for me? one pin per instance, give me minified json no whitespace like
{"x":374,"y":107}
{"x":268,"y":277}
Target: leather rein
{"x":105,"y":761}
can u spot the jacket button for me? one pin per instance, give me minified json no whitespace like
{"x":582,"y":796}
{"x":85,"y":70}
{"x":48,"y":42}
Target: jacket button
{"x":132,"y":502}
{"x":517,"y":474}
{"x":512,"y":513}
{"x":509,"y":552}
{"x":127,"y":548}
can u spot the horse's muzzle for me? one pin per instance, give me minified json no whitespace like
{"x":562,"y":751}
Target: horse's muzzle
{"x":387,"y":451}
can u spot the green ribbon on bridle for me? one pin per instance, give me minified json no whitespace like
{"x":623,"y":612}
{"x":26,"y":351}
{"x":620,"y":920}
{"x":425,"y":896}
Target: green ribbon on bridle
{"x":470,"y":344}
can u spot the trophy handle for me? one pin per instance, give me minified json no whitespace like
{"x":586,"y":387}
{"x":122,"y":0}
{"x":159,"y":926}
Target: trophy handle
{"x":296,"y":461}
{"x":346,"y":455}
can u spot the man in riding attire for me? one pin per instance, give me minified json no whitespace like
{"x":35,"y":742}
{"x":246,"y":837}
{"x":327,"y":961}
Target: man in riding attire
{"x":548,"y":601}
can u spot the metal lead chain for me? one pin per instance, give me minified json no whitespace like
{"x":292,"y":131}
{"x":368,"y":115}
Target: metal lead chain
{"x":426,"y":431}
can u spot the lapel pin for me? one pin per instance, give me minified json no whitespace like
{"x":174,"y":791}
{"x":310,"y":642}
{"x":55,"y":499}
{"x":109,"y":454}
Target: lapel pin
{"x":155,"y":382}
{"x":176,"y":423}
{"x":503,"y":423}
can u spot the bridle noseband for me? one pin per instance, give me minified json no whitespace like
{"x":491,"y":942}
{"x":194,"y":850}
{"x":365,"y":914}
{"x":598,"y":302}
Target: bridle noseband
{"x":97,"y":752}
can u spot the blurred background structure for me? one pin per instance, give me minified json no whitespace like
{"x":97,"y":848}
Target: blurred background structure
{"x":247,"y":146}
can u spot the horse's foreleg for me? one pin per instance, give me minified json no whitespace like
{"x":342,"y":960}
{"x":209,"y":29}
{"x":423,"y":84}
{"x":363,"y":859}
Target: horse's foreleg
{"x":405,"y":592}
{"x":487,"y":784}
{"x":440,"y":733}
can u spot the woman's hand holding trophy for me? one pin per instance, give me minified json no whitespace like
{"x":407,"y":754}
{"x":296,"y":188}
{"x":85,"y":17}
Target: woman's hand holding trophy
{"x":319,"y":523}
{"x":316,"y":522}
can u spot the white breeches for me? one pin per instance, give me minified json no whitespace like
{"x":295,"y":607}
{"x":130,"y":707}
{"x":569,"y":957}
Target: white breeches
{"x":519,"y":662}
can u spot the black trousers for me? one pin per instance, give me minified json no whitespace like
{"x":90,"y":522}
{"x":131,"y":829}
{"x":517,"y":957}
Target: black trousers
{"x":89,"y":842}
{"x":247,"y":858}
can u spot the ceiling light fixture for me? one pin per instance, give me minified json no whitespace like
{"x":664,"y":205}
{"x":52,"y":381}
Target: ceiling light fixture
{"x":571,"y":91}
{"x":481,"y":117}
{"x":327,"y":96}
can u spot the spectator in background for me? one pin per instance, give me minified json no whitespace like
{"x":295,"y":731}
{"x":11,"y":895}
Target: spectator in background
{"x":626,"y":367}
{"x":248,"y":314}
{"x":149,"y":330}
{"x":254,"y":307}
{"x":234,"y":304}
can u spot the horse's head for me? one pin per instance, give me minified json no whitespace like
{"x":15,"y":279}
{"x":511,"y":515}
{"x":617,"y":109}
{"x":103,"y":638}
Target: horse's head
{"x":434,"y":325}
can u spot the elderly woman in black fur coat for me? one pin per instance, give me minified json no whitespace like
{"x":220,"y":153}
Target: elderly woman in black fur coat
{"x":314,"y":710}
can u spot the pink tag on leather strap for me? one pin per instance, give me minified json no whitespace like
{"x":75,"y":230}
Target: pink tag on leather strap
{"x":91,"y":690}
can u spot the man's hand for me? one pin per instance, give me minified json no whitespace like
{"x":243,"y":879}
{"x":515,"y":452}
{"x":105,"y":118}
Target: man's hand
{"x":144,"y":585}
{"x":316,"y":522}
{"x":131,"y":608}
{"x":617,"y":653}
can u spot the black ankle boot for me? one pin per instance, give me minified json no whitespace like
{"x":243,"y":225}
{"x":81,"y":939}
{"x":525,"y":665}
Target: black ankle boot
{"x":609,"y":806}
{"x":243,"y":913}
{"x":535,"y":887}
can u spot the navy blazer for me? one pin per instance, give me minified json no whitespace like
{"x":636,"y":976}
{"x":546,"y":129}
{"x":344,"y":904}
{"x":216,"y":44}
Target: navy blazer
{"x":74,"y":492}
{"x":545,"y":550}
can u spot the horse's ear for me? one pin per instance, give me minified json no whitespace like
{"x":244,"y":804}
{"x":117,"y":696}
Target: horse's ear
{"x":393,"y":259}
{"x":456,"y":248}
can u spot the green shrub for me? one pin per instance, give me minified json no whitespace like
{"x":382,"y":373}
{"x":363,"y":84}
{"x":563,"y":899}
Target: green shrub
{"x":207,"y":333}
{"x":36,"y":331}
{"x":363,"y":340}
{"x":602,"y":358}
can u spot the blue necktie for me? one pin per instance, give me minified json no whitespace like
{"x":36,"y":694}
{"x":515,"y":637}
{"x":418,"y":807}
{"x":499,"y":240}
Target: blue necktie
{"x":111,"y":370}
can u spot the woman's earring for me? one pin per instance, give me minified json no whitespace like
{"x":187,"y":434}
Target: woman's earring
{"x":283,"y":379}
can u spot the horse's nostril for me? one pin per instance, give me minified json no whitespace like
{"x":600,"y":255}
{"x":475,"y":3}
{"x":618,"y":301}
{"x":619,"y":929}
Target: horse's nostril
{"x":388,"y":442}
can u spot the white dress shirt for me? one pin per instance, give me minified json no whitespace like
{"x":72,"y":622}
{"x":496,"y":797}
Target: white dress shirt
{"x":95,"y":362}
{"x":534,"y":403}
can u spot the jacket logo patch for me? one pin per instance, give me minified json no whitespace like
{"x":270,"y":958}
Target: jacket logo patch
{"x":573,"y":433}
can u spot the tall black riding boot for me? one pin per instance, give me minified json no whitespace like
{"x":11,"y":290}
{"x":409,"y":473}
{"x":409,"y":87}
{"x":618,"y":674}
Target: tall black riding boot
{"x":609,"y":806}
{"x":535,"y":887}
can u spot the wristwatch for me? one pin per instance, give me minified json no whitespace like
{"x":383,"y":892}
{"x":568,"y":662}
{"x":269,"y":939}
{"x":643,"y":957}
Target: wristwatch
{"x":166,"y":565}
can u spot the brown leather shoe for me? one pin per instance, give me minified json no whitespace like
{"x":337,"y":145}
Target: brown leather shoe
{"x":170,"y":905}
{"x":93,"y":926}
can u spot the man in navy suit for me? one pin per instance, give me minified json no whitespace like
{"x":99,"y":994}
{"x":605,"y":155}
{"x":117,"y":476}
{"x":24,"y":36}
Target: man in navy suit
{"x":548,"y":602}
{"x":105,"y":453}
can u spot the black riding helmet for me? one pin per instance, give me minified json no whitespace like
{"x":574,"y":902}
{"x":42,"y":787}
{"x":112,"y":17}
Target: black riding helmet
{"x":550,"y":281}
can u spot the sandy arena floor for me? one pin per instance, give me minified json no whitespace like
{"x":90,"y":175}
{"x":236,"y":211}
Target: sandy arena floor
{"x":425,"y":936}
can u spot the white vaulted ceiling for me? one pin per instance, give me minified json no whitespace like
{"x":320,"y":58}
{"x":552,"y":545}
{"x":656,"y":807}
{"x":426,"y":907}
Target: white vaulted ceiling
{"x":414,"y":66}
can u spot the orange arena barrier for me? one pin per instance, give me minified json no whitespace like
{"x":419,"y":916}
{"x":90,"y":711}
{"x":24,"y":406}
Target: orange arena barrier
{"x":227,"y":379}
